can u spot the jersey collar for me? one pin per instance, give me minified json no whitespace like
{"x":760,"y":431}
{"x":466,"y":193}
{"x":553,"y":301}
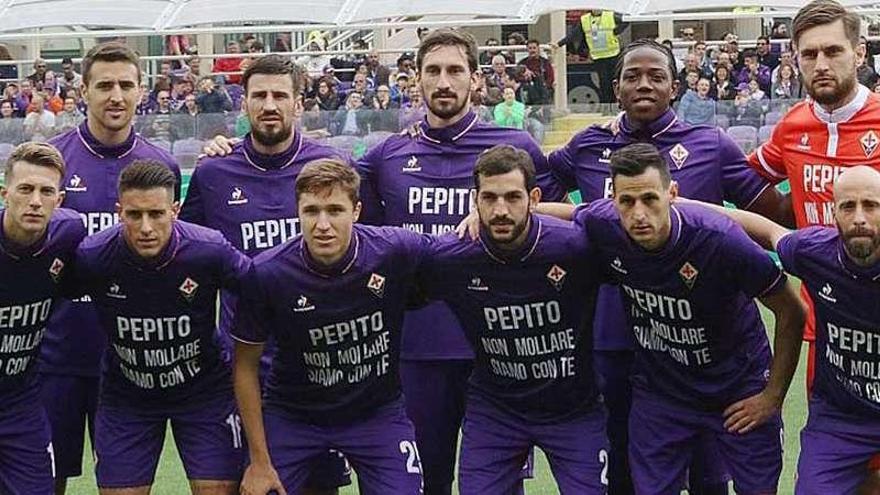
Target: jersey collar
{"x":451,"y":133}
{"x":272,"y":162}
{"x":101,"y":150}
{"x":652,"y":130}
{"x":340,"y":267}
{"x":520,"y":255}
{"x":844,"y":113}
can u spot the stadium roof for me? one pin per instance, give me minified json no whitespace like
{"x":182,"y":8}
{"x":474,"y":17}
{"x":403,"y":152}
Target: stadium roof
{"x":168,"y":15}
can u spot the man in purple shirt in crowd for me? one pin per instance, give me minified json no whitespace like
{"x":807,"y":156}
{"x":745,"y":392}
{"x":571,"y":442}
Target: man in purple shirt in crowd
{"x":841,"y":268}
{"x":333,"y":300}
{"x":95,"y":153}
{"x":422,"y":179}
{"x":247,"y":192}
{"x":703,"y":364}
{"x":37,"y":241}
{"x":154,"y":281}
{"x":524,"y":293}
{"x":707,"y":165}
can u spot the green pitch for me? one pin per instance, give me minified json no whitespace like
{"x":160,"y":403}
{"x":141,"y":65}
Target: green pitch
{"x":171,"y":480}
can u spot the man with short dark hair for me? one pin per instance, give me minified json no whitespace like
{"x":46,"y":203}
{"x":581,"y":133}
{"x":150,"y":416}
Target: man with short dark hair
{"x":765,"y":55}
{"x":38,"y":76}
{"x":539,"y":78}
{"x":333,"y":300}
{"x":525,"y":295}
{"x":95,"y":153}
{"x":37,"y":242}
{"x":753,"y":69}
{"x":154,"y":281}
{"x":703,"y":364}
{"x":70,"y":79}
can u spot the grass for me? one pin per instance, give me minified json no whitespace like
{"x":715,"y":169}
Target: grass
{"x":171,"y":480}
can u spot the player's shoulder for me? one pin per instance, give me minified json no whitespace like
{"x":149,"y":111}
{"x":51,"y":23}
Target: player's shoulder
{"x":813,"y":238}
{"x":64,"y":216}
{"x":592,"y":137}
{"x":706,"y":220}
{"x":265,"y":261}
{"x":800,"y":118}
{"x":199,"y":234}
{"x":567,"y":237}
{"x":65,"y":138}
{"x":101,"y":240}
{"x":67,"y":224}
{"x":312,"y":149}
{"x":208,"y":165}
{"x":489,"y":131}
{"x":147,"y":149}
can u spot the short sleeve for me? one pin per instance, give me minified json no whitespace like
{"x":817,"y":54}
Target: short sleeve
{"x":373,"y":208}
{"x":767,"y":159}
{"x":787,"y":249}
{"x":235,"y":267}
{"x":193,"y":210}
{"x":562,"y":166}
{"x":749,"y":266}
{"x":742,"y":185}
{"x":253,"y":313}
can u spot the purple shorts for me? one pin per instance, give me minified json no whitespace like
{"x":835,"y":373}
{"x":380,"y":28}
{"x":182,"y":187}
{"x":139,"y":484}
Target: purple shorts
{"x":26,"y":464}
{"x":70,"y":403}
{"x":835,"y":450}
{"x":495,"y":445}
{"x":665,"y":437}
{"x":128,"y":443}
{"x":382,"y":449}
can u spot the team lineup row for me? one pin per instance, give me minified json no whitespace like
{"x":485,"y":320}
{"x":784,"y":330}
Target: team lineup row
{"x":513,"y":311}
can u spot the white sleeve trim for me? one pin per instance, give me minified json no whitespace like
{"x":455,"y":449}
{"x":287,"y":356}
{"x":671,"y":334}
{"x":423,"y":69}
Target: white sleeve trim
{"x":767,"y":168}
{"x":235,"y":337}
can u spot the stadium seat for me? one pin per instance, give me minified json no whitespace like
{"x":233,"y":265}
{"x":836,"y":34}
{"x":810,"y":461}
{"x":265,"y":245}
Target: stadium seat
{"x":165,"y":145}
{"x":765,"y":132}
{"x":745,"y":136}
{"x":722,"y":121}
{"x":187,"y":151}
{"x":5,"y":151}
{"x":772,"y":118}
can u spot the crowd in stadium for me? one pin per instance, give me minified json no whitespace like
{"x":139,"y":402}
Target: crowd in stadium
{"x":437,"y":308}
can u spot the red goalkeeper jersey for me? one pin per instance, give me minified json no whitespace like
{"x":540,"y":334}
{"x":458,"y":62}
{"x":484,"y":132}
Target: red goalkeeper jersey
{"x":811,"y":147}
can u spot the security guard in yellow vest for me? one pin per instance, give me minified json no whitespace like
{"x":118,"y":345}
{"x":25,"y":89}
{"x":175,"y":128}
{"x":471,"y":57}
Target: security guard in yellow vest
{"x":597,"y":35}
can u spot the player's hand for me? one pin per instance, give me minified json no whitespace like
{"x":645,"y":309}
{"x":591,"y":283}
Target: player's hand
{"x":749,"y":413}
{"x":220,"y":146}
{"x":261,"y":479}
{"x":470,"y":226}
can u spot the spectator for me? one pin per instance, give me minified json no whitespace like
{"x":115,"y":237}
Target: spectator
{"x":865,"y":73}
{"x":6,"y":71}
{"x":499,"y":72}
{"x":166,"y":70}
{"x":230,"y":64}
{"x":689,"y":83}
{"x":69,"y":117}
{"x":327,"y":99}
{"x":163,"y":103}
{"x":360,"y":86}
{"x":691,"y":64}
{"x":731,"y":47}
{"x":510,"y":113}
{"x":52,"y":93}
{"x":754,"y":70}
{"x":486,"y":56}
{"x":69,"y":79}
{"x":146,"y":105}
{"x":387,"y":113}
{"x":512,"y":55}
{"x":190,"y":106}
{"x":421,"y":33}
{"x":25,"y":95}
{"x":704,"y":63}
{"x":697,"y":107}
{"x":186,"y":123}
{"x":538,"y":76}
{"x":376,"y":71}
{"x":193,"y":67}
{"x":746,"y":110}
{"x":765,"y":56}
{"x":212,"y":99}
{"x":314,"y":64}
{"x":724,"y":88}
{"x":282,"y":43}
{"x":352,"y":119}
{"x":329,"y":74}
{"x":724,"y":61}
{"x":10,"y":125}
{"x":36,"y":77}
{"x":39,"y":123}
{"x":414,"y":110}
{"x":160,"y":128}
{"x":785,"y":58}
{"x":313,"y":120}
{"x":182,"y":86}
{"x":399,"y":90}
{"x":786,"y":86}
{"x":406,"y":65}
{"x":877,"y":88}
{"x":755,"y":91}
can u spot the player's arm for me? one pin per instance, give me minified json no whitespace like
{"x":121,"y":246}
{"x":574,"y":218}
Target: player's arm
{"x":775,"y":206}
{"x":193,"y":208}
{"x":260,"y":476}
{"x":762,"y":230}
{"x":372,"y":206}
{"x":749,"y":413}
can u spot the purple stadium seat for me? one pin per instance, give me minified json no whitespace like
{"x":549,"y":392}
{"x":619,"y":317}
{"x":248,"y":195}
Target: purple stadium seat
{"x":5,"y":151}
{"x":772,"y":118}
{"x":745,"y":136}
{"x":722,"y":121}
{"x":765,"y":132}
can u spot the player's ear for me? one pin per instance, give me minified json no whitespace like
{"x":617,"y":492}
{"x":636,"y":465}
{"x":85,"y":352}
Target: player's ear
{"x":175,"y":209}
{"x":119,"y":210}
{"x":3,"y":193}
{"x":356,"y":214}
{"x":673,"y":190}
{"x":58,"y":199}
{"x":675,"y":86}
{"x":534,"y":198}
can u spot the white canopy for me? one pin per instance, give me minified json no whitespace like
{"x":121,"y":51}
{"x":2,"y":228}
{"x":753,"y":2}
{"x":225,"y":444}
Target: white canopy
{"x":169,"y":15}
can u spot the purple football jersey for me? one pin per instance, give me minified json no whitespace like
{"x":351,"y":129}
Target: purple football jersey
{"x":705,"y":162}
{"x":31,"y":283}
{"x":528,"y":316}
{"x":690,"y":304}
{"x":159,"y":315}
{"x":845,"y":299}
{"x":72,"y":346}
{"x":336,"y":329}
{"x":251,"y":198}
{"x":425,"y":183}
